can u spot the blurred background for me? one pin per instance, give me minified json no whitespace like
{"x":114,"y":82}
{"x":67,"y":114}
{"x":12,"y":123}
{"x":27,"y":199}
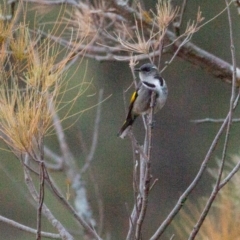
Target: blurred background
{"x":179,"y":146}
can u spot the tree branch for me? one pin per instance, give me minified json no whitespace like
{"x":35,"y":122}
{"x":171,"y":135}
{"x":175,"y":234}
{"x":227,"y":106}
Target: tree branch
{"x":73,"y":173}
{"x":30,"y":185}
{"x":184,"y":196}
{"x":216,"y":188}
{"x":189,"y":52}
{"x":145,"y":178}
{"x":28,"y":229}
{"x":95,"y":134}
{"x":203,"y":59}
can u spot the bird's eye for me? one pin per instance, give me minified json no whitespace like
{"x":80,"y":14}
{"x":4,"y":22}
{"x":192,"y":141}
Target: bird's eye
{"x":146,"y":69}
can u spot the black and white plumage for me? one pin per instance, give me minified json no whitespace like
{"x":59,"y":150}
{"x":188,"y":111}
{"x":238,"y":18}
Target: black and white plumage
{"x":150,"y":80}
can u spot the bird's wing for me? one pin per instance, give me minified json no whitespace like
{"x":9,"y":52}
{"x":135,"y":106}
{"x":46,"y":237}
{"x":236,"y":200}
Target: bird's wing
{"x":132,"y":100}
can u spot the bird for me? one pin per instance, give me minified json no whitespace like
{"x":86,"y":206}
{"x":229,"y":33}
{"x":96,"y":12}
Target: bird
{"x":150,"y":81}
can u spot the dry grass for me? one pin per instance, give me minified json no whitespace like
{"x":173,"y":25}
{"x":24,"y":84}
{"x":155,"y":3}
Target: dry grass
{"x":165,"y":14}
{"x":143,"y":40}
{"x":85,"y":21}
{"x":32,"y":81}
{"x":136,"y":42}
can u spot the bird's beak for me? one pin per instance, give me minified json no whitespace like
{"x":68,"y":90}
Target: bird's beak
{"x":137,"y":69}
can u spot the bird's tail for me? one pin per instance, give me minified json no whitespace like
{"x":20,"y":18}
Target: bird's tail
{"x":125,"y":127}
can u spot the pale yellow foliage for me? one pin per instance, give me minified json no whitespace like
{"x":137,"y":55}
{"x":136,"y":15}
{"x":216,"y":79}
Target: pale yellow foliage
{"x":165,"y":14}
{"x":20,"y":44}
{"x":5,"y":28}
{"x":29,"y":89}
{"x":141,"y":40}
{"x":136,"y":43}
{"x":85,"y":21}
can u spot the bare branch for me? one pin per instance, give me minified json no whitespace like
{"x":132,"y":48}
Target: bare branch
{"x":56,"y":158}
{"x":231,"y":108}
{"x":177,"y":24}
{"x":229,"y":176}
{"x":95,"y":134}
{"x":28,"y":229}
{"x":205,"y":60}
{"x":89,"y":230}
{"x":49,"y":2}
{"x":184,"y":196}
{"x":30,"y":185}
{"x":145,"y":179}
{"x":213,"y":120}
{"x":189,"y":52}
{"x":40,"y":200}
{"x":73,"y":173}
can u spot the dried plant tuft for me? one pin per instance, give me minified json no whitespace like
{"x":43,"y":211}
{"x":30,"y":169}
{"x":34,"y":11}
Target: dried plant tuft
{"x":165,"y":14}
{"x":29,"y":88}
{"x":20,"y":43}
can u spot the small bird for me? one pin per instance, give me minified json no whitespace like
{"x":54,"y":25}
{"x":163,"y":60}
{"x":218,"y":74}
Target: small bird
{"x":150,"y":80}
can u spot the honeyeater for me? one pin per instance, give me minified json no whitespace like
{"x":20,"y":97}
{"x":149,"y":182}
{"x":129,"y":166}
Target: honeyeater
{"x":150,"y":80}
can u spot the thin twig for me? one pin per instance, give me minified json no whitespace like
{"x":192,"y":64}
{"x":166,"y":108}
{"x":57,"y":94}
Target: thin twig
{"x":99,"y":200}
{"x":27,"y":229}
{"x":231,"y":108}
{"x":90,"y":155}
{"x":195,"y":181}
{"x":30,"y":185}
{"x":141,"y":183}
{"x":230,"y":176}
{"x":41,"y":200}
{"x":186,"y":40}
{"x":220,"y":120}
{"x":188,"y":52}
{"x":144,"y":191}
{"x":137,"y":147}
{"x":153,"y":184}
{"x":84,"y":224}
{"x":58,"y":166}
{"x":52,"y":155}
{"x":160,"y":49}
{"x":133,"y":216}
{"x":178,"y":23}
{"x":73,"y":173}
{"x":213,"y":120}
{"x":48,"y":2}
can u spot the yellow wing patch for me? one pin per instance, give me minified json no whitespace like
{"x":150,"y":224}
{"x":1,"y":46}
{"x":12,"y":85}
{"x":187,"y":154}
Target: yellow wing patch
{"x":134,"y":96}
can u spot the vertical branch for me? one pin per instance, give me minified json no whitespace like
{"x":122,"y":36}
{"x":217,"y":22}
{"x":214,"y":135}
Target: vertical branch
{"x":217,"y":187}
{"x":137,"y":183}
{"x":88,"y":229}
{"x":177,"y":24}
{"x":160,"y":47}
{"x":40,"y":143}
{"x":73,"y":172}
{"x":226,"y":124}
{"x":146,"y":177}
{"x":138,"y":171}
{"x":83,"y":213}
{"x":28,"y":229}
{"x":195,"y":181}
{"x":95,"y":134}
{"x":55,"y":223}
{"x":41,"y":199}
